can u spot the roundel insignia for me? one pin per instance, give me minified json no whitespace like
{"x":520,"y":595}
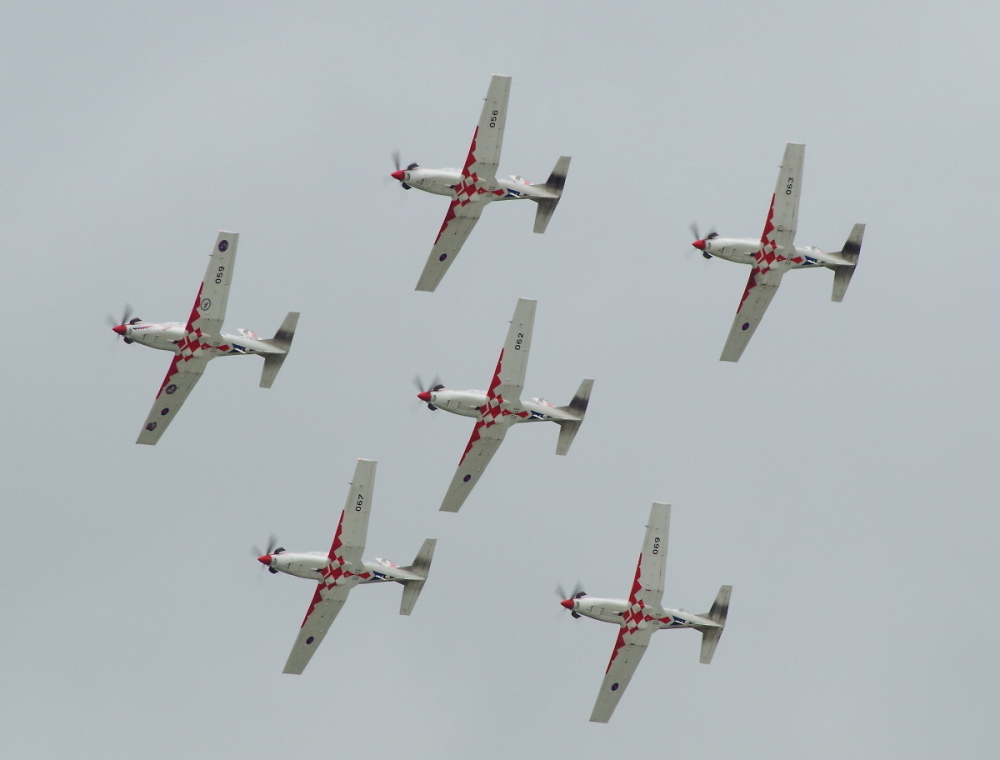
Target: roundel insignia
{"x":442,"y":257}
{"x":223,"y":245}
{"x":170,"y":388}
{"x":746,"y":325}
{"x":467,"y":478}
{"x":614,"y":687}
{"x":206,"y":304}
{"x":151,"y":426}
{"x":309,"y":640}
{"x":164,"y":411}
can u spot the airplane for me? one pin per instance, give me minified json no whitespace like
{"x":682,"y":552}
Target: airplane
{"x":342,"y":568}
{"x":200,"y":339}
{"x":500,"y":407}
{"x":477,"y":184}
{"x":642,"y":614}
{"x":775,"y":253}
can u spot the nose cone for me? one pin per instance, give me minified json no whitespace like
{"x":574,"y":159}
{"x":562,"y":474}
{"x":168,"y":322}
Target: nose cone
{"x":699,"y":244}
{"x":120,"y":329}
{"x":567,"y":603}
{"x":425,"y":396}
{"x":264,"y":559}
{"x":398,"y":174}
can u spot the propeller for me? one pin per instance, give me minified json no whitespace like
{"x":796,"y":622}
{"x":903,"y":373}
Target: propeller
{"x":578,"y":592}
{"x":712,"y":234}
{"x":126,"y":313}
{"x":271,"y":550}
{"x":435,"y":386}
{"x":398,"y":173}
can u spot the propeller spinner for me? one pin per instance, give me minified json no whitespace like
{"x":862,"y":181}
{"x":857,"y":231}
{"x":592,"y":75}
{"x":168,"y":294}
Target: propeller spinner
{"x":425,"y":393}
{"x":265,"y":557}
{"x":399,"y":174}
{"x":699,"y":241}
{"x":569,"y":601}
{"x":119,"y":327}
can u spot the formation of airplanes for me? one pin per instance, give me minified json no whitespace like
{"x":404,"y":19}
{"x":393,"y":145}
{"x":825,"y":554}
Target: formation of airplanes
{"x":198,"y":340}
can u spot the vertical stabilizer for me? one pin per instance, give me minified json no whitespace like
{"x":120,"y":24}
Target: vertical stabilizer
{"x":852,"y":250}
{"x":554,"y":184}
{"x":710,"y":636}
{"x":577,"y":407}
{"x":421,"y":566}
{"x":282,"y":340}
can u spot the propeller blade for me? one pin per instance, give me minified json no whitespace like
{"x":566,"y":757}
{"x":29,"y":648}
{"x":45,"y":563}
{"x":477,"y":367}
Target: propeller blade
{"x":395,"y":160}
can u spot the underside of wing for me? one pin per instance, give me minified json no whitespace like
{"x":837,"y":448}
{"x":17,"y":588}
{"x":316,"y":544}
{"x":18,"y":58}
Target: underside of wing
{"x":349,"y":541}
{"x":629,"y":649}
{"x":458,"y":223}
{"x":489,"y":133}
{"x":783,"y":217}
{"x":760,"y":289}
{"x":213,"y":296}
{"x":486,"y":439}
{"x":514,"y":360}
{"x":325,"y":605}
{"x":653,"y":560}
{"x":182,"y":376}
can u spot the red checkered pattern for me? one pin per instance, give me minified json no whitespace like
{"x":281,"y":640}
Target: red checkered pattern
{"x":765,"y":258}
{"x":191,"y":345}
{"x":492,"y":412}
{"x":634,"y":615}
{"x":334,"y":573}
{"x":471,"y":186}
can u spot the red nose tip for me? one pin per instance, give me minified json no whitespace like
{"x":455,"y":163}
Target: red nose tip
{"x":425,"y":396}
{"x":567,"y":603}
{"x":699,"y":244}
{"x":398,"y":174}
{"x":264,"y":559}
{"x":120,"y":329}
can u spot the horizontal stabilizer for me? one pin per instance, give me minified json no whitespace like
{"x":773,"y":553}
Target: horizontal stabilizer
{"x":282,"y":340}
{"x":554,"y":184}
{"x":852,"y":250}
{"x":577,"y":407}
{"x":421,"y":566}
{"x":710,"y":636}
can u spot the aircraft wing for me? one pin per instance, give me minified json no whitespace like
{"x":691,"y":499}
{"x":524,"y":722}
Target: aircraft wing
{"x":323,"y":610}
{"x":458,"y":223}
{"x":760,"y":289}
{"x":180,"y":380}
{"x":779,"y":230}
{"x":509,"y":377}
{"x":488,"y":139}
{"x":629,"y":649}
{"x":479,"y":180}
{"x":486,"y":438}
{"x":653,"y":560}
{"x":340,"y":576}
{"x":200,"y":336}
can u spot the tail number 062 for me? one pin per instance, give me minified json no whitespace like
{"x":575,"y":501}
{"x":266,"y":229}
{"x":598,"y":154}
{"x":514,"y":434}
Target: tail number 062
{"x":520,"y":338}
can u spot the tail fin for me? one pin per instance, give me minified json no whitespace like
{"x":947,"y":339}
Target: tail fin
{"x":710,"y":636}
{"x":578,"y":408}
{"x":283,"y":340}
{"x":842,"y":275}
{"x":554,"y":184}
{"x":421,"y":566}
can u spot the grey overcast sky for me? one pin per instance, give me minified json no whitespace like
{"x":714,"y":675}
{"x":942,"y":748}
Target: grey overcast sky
{"x":841,"y":477}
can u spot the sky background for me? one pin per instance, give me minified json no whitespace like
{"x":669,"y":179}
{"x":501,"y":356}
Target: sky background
{"x":841,"y":476}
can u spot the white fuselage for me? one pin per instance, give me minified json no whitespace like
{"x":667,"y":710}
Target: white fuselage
{"x":742,"y":250}
{"x":613,"y":611}
{"x":312,"y":564}
{"x":166,"y":336}
{"x":470,"y":403}
{"x":443,"y":182}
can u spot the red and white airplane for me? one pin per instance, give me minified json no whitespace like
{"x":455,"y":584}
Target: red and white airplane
{"x":342,"y":568}
{"x":201,"y":338}
{"x":501,"y":406}
{"x":775,"y":253}
{"x":477,"y":184}
{"x":642,"y":614}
